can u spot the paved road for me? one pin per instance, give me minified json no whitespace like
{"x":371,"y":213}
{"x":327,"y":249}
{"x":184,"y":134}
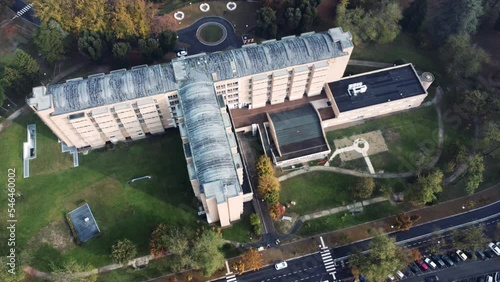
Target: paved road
{"x":312,"y":268}
{"x":188,"y":36}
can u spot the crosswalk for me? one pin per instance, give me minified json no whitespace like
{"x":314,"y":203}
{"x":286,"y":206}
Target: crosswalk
{"x":231,"y":277}
{"x":326,"y":256}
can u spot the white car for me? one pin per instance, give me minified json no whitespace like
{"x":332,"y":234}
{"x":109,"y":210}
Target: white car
{"x":430,"y":263}
{"x":181,"y":53}
{"x":391,"y":278}
{"x":461,"y":255}
{"x":400,"y":274}
{"x":494,"y":248}
{"x":281,"y":265}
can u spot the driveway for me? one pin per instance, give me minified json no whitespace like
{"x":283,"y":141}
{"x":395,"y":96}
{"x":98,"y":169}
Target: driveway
{"x":188,"y":36}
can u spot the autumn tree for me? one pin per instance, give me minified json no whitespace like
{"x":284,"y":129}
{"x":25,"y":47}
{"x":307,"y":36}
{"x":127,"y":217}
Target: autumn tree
{"x":50,"y":43}
{"x":156,"y":244}
{"x":267,"y":184}
{"x":90,"y":45}
{"x":414,"y":254}
{"x":120,"y":51}
{"x":276,"y":211}
{"x":404,"y":221}
{"x":264,"y":166}
{"x":266,"y":23}
{"x":70,"y":270}
{"x":426,"y":188}
{"x":252,"y":259}
{"x":206,"y":252}
{"x":239,"y":267}
{"x":363,"y":189}
{"x":150,"y":49}
{"x":123,"y":251}
{"x":474,"y":174}
{"x":462,"y":57}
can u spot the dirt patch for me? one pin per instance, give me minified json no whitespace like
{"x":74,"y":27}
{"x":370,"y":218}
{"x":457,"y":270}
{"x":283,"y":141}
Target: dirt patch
{"x":56,"y":234}
{"x":376,"y":143}
{"x":391,"y":136}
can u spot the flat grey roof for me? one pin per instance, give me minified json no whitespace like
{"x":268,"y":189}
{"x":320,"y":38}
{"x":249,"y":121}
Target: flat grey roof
{"x":299,"y":132}
{"x":385,"y":85}
{"x":84,"y":223}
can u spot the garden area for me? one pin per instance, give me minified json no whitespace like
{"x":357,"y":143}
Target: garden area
{"x":411,"y":139}
{"x":121,"y":210}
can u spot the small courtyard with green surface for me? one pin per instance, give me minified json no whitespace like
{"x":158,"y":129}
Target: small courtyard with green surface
{"x":121,"y":210}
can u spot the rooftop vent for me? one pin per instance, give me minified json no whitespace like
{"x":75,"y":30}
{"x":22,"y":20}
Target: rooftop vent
{"x":356,"y":88}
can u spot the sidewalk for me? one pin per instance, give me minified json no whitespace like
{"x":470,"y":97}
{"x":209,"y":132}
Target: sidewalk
{"x":341,"y":209}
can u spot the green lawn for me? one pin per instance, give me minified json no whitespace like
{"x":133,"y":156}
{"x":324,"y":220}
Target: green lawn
{"x":316,"y":191}
{"x":403,"y":47}
{"x":239,"y":232}
{"x":410,"y":136}
{"x":121,"y":210}
{"x":343,"y":220}
{"x":211,"y":33}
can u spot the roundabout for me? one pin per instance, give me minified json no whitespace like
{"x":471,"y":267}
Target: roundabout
{"x":211,"y":33}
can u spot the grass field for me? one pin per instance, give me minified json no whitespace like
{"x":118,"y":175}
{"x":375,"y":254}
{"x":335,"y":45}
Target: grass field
{"x":211,"y":33}
{"x":410,"y":136}
{"x":121,"y":210}
{"x":239,"y":232}
{"x":343,"y":220}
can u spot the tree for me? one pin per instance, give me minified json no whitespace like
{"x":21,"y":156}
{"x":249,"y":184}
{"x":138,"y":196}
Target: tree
{"x":49,"y":42}
{"x":426,"y":188}
{"x":123,"y":251}
{"x":206,"y":254}
{"x":150,"y":49}
{"x":491,"y":136}
{"x":272,"y":196}
{"x":176,"y":241}
{"x":414,"y":16}
{"x":252,"y":259}
{"x":404,"y":221}
{"x":264,"y":166}
{"x":90,"y":45}
{"x":474,"y":174}
{"x":2,"y":94}
{"x":475,"y":103}
{"x":239,"y":267}
{"x":267,"y":184}
{"x":255,"y":222}
{"x":463,"y":58}
{"x":276,"y":211}
{"x":266,"y":24}
{"x":456,"y":17}
{"x":120,"y":50}
{"x":363,"y":189}
{"x":300,"y":14}
{"x":159,"y":24}
{"x":414,"y":254}
{"x":156,"y":244}
{"x":22,"y":74}
{"x":70,"y":271}
{"x":167,"y":39}
{"x":470,"y":239}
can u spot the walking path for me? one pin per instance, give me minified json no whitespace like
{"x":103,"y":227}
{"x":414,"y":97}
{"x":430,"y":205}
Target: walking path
{"x":359,"y":145}
{"x":342,"y":209}
{"x":432,"y":163}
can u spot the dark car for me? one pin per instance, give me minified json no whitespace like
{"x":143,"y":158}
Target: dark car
{"x":447,"y":260}
{"x":455,"y":257}
{"x":489,"y":253}
{"x":480,"y":279}
{"x":480,"y":255}
{"x":407,"y":271}
{"x":438,"y":260}
{"x":413,"y":268}
{"x":431,"y":279}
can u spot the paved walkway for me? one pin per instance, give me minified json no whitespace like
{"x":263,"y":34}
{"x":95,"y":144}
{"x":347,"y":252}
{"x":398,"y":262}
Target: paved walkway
{"x":432,"y":163}
{"x":356,"y":147}
{"x":342,"y":209}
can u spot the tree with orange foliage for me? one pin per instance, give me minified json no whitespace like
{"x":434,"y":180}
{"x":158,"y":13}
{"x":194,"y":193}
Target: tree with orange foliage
{"x":239,"y":267}
{"x":414,"y":254}
{"x":157,"y":246}
{"x":252,"y":259}
{"x":276,"y":211}
{"x":404,"y":221}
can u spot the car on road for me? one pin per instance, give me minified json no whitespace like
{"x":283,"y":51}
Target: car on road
{"x":455,"y":257}
{"x":461,"y":255}
{"x":447,"y":260}
{"x":430,"y":263}
{"x":422,"y":265}
{"x":431,"y":279}
{"x":281,"y":265}
{"x":494,"y":248}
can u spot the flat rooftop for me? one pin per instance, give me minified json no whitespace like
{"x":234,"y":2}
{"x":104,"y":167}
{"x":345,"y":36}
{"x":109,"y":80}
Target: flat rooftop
{"x":84,"y":223}
{"x":299,"y":132}
{"x":382,"y":86}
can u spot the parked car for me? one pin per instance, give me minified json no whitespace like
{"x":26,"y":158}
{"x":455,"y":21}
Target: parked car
{"x":461,"y":255}
{"x":480,"y":255}
{"x":455,"y":257}
{"x":430,"y":263}
{"x":489,"y":278}
{"x":281,"y":265}
{"x":439,"y":261}
{"x":494,"y":248}
{"x":422,"y":265}
{"x":391,"y":278}
{"x":181,"y":52}
{"x":489,"y":253}
{"x":480,"y":279}
{"x":413,"y":268}
{"x":400,"y":275}
{"x":431,"y":279}
{"x":447,"y":260}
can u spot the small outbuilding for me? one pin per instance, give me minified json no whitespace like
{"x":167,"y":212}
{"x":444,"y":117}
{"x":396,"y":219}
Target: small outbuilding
{"x":83,"y":224}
